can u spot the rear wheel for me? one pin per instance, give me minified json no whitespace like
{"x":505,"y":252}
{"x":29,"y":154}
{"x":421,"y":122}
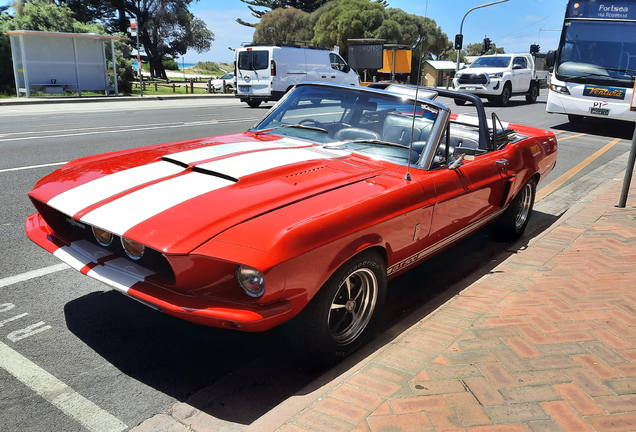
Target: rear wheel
{"x":253,"y":103}
{"x":514,"y":220}
{"x":340,"y":318}
{"x":534,"y":93}
{"x":460,"y":102}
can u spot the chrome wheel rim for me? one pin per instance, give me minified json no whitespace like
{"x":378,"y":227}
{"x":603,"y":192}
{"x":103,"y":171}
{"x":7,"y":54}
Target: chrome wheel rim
{"x":352,"y":306}
{"x":525,"y":203}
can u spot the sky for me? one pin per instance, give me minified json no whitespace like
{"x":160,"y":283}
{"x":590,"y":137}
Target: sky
{"x":514,"y":24}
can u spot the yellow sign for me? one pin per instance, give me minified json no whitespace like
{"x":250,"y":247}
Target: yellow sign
{"x":402,"y":61}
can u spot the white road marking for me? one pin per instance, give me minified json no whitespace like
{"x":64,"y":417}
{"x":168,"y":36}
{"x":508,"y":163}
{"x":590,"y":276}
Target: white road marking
{"x":32,"y":274}
{"x":57,"y":393}
{"x":32,"y":167}
{"x":133,"y":129}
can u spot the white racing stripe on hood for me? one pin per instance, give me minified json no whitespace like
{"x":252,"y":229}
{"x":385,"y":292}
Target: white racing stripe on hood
{"x":76,"y":199}
{"x":252,"y":163}
{"x":124,"y":213}
{"x":214,"y":151}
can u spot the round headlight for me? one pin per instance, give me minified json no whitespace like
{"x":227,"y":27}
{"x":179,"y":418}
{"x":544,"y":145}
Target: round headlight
{"x":251,"y":280}
{"x":103,"y":237}
{"x":134,"y":250}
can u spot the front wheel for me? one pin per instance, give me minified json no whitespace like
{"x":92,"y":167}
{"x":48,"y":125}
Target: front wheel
{"x":340,"y":318}
{"x":513,"y":221}
{"x":504,"y":98}
{"x":460,"y":102}
{"x":253,"y":103}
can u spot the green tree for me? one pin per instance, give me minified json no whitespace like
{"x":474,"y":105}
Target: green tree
{"x":474,"y":49}
{"x":303,"y":5}
{"x":166,"y":28}
{"x":42,"y":16}
{"x":284,"y":25}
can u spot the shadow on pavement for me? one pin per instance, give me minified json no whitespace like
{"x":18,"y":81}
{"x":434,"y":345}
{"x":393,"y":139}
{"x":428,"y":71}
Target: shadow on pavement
{"x":238,"y":377}
{"x":599,"y":127}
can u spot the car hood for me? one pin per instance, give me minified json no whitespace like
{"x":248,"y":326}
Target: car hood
{"x":175,"y":197}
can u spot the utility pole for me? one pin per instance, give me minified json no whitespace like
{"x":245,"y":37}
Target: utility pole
{"x":460,"y":36}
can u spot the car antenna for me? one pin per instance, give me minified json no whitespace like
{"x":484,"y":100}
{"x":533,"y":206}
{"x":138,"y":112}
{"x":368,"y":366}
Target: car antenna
{"x":407,"y":177}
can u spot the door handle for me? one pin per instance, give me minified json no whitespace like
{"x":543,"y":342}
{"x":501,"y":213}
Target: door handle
{"x":504,"y":165}
{"x":324,"y":76}
{"x":333,"y":76}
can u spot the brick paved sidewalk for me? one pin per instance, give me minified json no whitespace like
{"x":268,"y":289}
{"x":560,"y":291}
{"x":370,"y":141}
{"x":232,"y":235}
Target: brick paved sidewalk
{"x":544,"y":342}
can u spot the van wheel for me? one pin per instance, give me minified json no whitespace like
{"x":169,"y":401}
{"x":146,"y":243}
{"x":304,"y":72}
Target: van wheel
{"x":532,"y":96}
{"x":340,"y":318}
{"x":253,"y":103}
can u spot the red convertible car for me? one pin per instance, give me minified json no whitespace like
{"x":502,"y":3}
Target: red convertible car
{"x":303,"y":218}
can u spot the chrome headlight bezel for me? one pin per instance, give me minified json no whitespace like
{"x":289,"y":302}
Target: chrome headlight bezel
{"x":250,"y":279}
{"x":129,"y":246}
{"x":495,"y":75}
{"x":98,"y":232}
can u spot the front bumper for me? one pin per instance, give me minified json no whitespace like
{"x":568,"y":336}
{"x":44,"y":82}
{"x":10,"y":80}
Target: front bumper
{"x":492,"y":88}
{"x":152,"y":289}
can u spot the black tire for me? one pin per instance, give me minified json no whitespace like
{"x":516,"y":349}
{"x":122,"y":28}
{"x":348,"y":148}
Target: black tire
{"x":532,"y":96}
{"x":514,"y":220}
{"x":504,"y":97}
{"x":460,"y":102}
{"x":575,"y":119}
{"x":327,"y":330}
{"x":253,"y":103}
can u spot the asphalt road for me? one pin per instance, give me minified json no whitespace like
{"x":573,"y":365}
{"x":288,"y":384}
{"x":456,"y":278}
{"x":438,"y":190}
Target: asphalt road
{"x":119,"y":362}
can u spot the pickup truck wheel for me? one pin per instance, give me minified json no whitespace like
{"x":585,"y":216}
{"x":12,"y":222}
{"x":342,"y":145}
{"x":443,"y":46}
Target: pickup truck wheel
{"x":460,"y":102}
{"x":341,"y":316}
{"x":513,"y":221}
{"x":532,"y":96}
{"x":504,"y":98}
{"x":253,"y":103}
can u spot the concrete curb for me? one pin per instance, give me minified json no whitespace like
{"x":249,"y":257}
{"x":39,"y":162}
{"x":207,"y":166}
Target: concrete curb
{"x":74,"y":99}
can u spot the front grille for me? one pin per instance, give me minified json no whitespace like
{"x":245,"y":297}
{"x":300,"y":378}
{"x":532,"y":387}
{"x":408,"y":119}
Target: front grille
{"x":473,"y":79}
{"x":152,"y":259}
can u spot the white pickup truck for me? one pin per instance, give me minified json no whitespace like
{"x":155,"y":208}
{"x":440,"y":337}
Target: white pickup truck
{"x":498,"y":77}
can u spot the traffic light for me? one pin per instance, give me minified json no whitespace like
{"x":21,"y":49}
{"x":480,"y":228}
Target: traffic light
{"x":487,"y":45}
{"x":459,"y":40}
{"x":534,"y":49}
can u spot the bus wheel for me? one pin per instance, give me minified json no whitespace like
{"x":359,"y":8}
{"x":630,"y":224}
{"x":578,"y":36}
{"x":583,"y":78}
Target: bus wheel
{"x":253,"y":103}
{"x":575,"y":119}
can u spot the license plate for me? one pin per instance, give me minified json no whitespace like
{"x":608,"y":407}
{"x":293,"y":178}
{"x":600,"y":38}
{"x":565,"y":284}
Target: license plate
{"x":244,"y":89}
{"x":471,"y":88}
{"x":600,"y":111}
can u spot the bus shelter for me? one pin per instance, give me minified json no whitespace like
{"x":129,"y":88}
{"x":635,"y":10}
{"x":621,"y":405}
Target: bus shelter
{"x":54,"y":62}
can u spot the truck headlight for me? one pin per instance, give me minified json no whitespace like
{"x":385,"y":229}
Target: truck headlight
{"x":495,"y":75}
{"x":559,"y":89}
{"x":251,"y":280}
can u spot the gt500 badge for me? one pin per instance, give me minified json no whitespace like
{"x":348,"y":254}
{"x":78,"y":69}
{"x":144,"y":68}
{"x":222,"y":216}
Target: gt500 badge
{"x":604,"y":92}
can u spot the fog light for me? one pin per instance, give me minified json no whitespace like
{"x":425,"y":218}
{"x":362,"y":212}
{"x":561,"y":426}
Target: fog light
{"x":251,"y":280}
{"x":134,"y":250}
{"x":103,"y":237}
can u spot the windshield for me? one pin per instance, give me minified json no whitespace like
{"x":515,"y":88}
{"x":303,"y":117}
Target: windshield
{"x":598,"y":51}
{"x":227,"y":76}
{"x":359,"y":121}
{"x":253,"y":60}
{"x":498,"y":62}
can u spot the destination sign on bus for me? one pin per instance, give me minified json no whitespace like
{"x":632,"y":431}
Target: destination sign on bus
{"x":603,"y":10}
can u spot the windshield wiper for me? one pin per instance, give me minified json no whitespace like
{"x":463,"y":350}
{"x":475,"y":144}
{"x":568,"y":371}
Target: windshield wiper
{"x":295,"y":126}
{"x":619,"y":70}
{"x":365,"y":141}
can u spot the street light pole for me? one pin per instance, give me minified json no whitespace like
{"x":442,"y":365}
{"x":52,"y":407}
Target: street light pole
{"x":461,"y":26}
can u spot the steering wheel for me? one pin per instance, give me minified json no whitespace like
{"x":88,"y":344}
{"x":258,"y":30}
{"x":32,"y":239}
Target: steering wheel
{"x":313,"y":122}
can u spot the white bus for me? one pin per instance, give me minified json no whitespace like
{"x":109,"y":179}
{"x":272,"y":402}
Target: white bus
{"x":595,"y":63}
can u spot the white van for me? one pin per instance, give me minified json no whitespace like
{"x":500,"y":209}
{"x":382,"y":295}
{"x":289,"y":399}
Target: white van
{"x":265,"y":72}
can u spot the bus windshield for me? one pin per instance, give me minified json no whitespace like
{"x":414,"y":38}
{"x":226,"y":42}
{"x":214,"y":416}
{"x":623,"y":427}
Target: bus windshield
{"x":598,"y":51}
